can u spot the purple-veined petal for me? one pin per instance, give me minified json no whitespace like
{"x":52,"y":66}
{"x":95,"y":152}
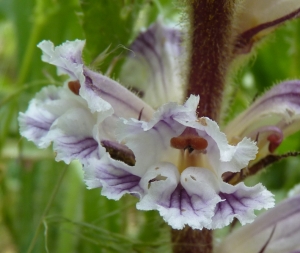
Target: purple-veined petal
{"x":277,"y":110}
{"x":278,"y":227}
{"x":222,"y":156}
{"x":115,"y":178}
{"x":181,"y":202}
{"x":72,"y":136}
{"x":48,"y":105}
{"x":256,"y":18}
{"x":239,"y":202}
{"x":157,"y":61}
{"x":100,"y":92}
{"x":67,"y":57}
{"x":153,"y":137}
{"x":183,"y":185}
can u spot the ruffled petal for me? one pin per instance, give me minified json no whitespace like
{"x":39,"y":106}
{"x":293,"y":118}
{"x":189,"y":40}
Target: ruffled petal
{"x":278,"y":230}
{"x":256,"y":18}
{"x":181,"y":203}
{"x":67,"y":57}
{"x":269,"y":118}
{"x":222,"y":156}
{"x":48,"y":105}
{"x":115,"y":177}
{"x":100,"y":92}
{"x":237,"y":158}
{"x":239,"y":202}
{"x":157,"y":59}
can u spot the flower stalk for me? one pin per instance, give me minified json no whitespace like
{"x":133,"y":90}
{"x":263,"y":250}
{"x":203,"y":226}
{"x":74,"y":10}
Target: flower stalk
{"x":210,"y":53}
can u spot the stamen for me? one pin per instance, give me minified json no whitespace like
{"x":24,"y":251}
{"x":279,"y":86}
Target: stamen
{"x":275,"y":140}
{"x":74,"y":86}
{"x":119,"y":152}
{"x":190,"y":143}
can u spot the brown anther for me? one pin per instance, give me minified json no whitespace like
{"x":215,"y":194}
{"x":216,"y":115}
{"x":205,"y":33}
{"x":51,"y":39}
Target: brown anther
{"x":74,"y":86}
{"x":198,"y":143}
{"x":275,"y":141}
{"x":180,"y":142}
{"x":189,"y":142}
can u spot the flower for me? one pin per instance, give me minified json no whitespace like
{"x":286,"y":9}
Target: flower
{"x":74,"y":117}
{"x":275,"y":231}
{"x":254,"y":19}
{"x":180,"y":160}
{"x":170,"y":159}
{"x":270,"y":119}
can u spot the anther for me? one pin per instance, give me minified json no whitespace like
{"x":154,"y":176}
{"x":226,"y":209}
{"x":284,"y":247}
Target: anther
{"x":275,"y":140}
{"x":190,"y":143}
{"x":74,"y":86}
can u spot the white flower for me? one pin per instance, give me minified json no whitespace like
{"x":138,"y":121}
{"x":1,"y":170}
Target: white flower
{"x":178,"y":170}
{"x":170,"y":159}
{"x":78,"y":117}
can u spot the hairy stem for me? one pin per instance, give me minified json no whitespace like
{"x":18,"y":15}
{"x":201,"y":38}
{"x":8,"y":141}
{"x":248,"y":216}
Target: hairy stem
{"x":192,"y":241}
{"x":210,"y":53}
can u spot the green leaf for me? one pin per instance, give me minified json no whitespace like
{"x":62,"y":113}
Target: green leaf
{"x":108,"y":25}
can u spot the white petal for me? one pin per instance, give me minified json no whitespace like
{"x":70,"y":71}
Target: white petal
{"x":222,"y":156}
{"x":159,"y":182}
{"x":283,"y":221}
{"x":256,"y":18}
{"x":239,"y":202}
{"x":48,"y":105}
{"x":179,"y":204}
{"x":153,"y":138}
{"x":190,"y":202}
{"x":72,"y":136}
{"x":102,"y":93}
{"x":237,"y":157}
{"x":277,"y":110}
{"x":257,"y":12}
{"x":157,"y":60}
{"x":115,"y":177}
{"x":67,"y":57}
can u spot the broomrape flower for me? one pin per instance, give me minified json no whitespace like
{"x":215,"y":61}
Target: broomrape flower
{"x":169,"y":158}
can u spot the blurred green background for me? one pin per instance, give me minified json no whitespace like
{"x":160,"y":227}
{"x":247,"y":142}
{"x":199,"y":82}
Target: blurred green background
{"x":44,"y":205}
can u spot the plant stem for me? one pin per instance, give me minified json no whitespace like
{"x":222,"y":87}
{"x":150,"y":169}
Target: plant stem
{"x":192,"y":241}
{"x":210,"y":53}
